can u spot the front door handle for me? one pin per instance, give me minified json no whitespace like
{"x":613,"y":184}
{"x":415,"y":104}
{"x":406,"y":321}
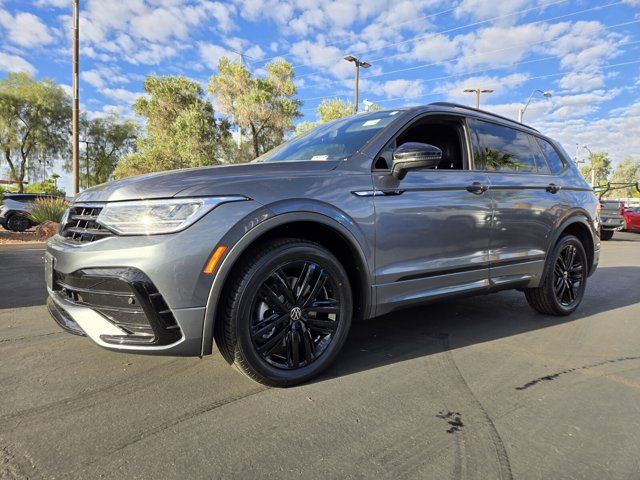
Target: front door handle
{"x":553,"y":188}
{"x":477,"y":188}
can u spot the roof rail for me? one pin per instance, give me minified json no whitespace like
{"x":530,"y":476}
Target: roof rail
{"x":466,"y":107}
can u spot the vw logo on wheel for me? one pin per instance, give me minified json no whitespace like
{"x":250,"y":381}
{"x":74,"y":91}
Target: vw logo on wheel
{"x":296,"y":313}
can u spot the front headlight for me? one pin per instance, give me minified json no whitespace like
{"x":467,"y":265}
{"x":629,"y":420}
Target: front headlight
{"x":150,"y":217}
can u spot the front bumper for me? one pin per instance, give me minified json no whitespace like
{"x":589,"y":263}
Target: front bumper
{"x":161,"y":309}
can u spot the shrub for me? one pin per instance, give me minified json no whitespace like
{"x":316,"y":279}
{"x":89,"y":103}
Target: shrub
{"x":51,"y":209}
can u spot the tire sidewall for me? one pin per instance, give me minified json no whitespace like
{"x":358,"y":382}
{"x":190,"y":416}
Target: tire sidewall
{"x":242,"y":312}
{"x":574,"y":241}
{"x":16,"y":222}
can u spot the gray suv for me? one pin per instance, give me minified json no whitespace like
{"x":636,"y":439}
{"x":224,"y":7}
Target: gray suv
{"x":362,"y":216}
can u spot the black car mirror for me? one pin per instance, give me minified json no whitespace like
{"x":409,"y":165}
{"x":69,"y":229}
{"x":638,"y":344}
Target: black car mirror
{"x":413,"y":155}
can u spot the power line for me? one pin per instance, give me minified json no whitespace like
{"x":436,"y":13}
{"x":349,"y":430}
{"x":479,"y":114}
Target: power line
{"x":475,"y":72}
{"x":331,"y":44}
{"x":444,"y":62}
{"x":480,"y":54}
{"x":440,"y":32}
{"x":537,"y":77}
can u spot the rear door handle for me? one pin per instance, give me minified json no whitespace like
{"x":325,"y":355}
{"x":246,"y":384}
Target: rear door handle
{"x":477,"y":188}
{"x":553,"y":188}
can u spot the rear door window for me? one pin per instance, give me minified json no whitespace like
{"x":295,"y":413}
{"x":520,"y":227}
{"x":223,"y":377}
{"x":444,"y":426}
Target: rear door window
{"x":501,"y":149}
{"x":555,"y":162}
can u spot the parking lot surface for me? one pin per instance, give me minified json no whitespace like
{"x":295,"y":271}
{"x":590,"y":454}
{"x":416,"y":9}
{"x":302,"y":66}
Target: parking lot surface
{"x":476,"y":388}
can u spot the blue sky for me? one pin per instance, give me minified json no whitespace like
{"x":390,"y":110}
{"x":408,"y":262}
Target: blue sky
{"x":586,"y":52}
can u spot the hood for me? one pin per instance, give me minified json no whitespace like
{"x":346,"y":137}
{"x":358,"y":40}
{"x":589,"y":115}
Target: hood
{"x":203,"y":181}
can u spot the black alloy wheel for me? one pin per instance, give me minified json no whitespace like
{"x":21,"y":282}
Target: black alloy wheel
{"x":564,"y":281}
{"x":568,"y":276}
{"x":287,"y":312}
{"x":295,"y":315}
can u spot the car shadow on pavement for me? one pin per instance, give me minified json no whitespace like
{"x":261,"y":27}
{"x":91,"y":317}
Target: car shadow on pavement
{"x":436,"y":327}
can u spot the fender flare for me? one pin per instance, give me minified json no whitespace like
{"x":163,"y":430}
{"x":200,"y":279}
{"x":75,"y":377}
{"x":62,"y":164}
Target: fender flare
{"x":579,"y":216}
{"x":269,"y":222}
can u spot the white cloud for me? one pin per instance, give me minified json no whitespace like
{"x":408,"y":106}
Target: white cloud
{"x":211,"y":54}
{"x":400,"y":88}
{"x":454,"y":91}
{"x":92,"y":77}
{"x":25,"y":29}
{"x":483,"y":10}
{"x":14,"y":63}
{"x":120,"y":94}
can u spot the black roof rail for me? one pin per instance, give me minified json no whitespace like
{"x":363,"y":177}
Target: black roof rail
{"x":484,"y":112}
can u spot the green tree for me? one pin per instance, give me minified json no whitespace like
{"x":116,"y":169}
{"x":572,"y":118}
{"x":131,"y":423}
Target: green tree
{"x":601,"y":163}
{"x":263,"y":108}
{"x":327,"y":111}
{"x":34,"y":123}
{"x":333,"y":109}
{"x":627,"y":171}
{"x":182,"y":130}
{"x":106,"y":140}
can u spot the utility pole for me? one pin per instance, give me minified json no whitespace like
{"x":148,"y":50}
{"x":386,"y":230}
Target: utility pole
{"x":478,"y":91}
{"x":76,"y":98}
{"x":358,"y":64}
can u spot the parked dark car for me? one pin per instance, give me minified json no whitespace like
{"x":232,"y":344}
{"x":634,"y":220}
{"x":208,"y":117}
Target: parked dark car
{"x":15,"y":208}
{"x":611,"y":218}
{"x":360,"y":217}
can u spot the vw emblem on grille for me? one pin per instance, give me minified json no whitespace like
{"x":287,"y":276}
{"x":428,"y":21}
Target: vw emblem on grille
{"x":296,"y":313}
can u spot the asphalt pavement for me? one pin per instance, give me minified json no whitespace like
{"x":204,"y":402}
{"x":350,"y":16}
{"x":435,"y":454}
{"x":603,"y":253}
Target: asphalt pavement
{"x":478,"y":388}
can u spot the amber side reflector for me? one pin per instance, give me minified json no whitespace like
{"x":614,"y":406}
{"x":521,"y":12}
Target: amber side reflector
{"x":214,"y":259}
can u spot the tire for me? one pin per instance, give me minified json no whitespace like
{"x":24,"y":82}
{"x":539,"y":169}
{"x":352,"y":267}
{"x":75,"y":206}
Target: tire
{"x":606,"y":235}
{"x":18,"y":223}
{"x":562,"y":286}
{"x":278,"y":328}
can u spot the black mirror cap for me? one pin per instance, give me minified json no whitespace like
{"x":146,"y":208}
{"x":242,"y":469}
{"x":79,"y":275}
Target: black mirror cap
{"x":413,"y":155}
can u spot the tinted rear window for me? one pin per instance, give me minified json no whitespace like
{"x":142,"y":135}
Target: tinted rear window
{"x":556,"y":165}
{"x":502,"y":149}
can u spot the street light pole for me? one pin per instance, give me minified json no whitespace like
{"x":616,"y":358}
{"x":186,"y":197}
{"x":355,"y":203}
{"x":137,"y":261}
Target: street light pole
{"x":478,"y":91}
{"x":76,"y":98}
{"x":546,"y":94}
{"x":358,"y":64}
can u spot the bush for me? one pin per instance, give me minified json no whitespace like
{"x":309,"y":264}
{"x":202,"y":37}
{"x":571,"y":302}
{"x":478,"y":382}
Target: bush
{"x":51,"y":209}
{"x":47,"y":186}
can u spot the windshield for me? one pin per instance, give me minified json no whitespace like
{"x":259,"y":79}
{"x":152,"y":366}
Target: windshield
{"x":335,"y":140}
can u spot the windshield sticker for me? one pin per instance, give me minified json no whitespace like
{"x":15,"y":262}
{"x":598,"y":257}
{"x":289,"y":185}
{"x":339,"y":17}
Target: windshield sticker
{"x":369,"y":123}
{"x":319,"y":157}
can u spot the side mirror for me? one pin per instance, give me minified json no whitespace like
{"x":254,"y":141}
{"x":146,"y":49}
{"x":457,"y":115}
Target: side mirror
{"x":413,"y":155}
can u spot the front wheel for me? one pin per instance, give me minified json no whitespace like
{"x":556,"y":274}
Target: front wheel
{"x":288,"y":312}
{"x":18,"y":223}
{"x":606,"y":235}
{"x":565,"y":279}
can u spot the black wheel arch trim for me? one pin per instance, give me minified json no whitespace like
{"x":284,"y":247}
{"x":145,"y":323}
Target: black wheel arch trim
{"x":573,"y":217}
{"x":268,"y":218}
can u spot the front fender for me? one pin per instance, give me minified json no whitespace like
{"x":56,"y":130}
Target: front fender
{"x":265,"y":219}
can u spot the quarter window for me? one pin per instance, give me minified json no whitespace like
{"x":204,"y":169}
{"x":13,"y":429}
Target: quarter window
{"x":501,"y":149}
{"x":553,"y":159}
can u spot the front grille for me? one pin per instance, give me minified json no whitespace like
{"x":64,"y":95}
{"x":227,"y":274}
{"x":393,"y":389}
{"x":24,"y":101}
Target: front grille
{"x":124,"y":296}
{"x":81,"y":225}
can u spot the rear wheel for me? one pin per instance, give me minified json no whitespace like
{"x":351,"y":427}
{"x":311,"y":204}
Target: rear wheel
{"x":18,"y":223}
{"x":288,"y":312}
{"x":606,"y":235}
{"x":565,"y":280}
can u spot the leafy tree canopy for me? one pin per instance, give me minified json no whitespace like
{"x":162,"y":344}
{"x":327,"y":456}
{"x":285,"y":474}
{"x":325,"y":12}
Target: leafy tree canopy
{"x":264,"y":107}
{"x":106,"y":140}
{"x":627,"y":171}
{"x":182,"y":130}
{"x":601,"y":163}
{"x":34,"y":123}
